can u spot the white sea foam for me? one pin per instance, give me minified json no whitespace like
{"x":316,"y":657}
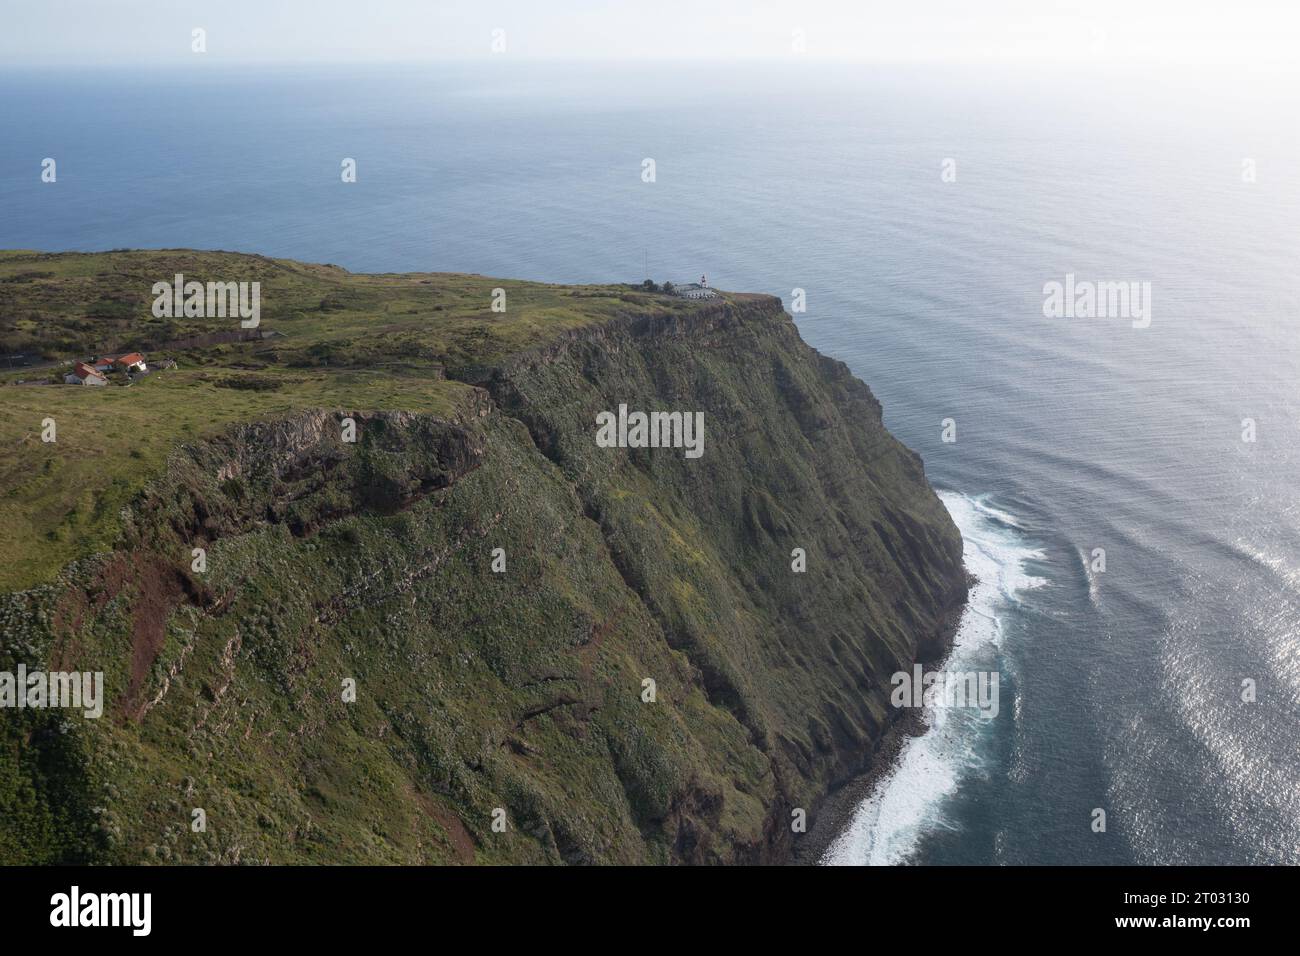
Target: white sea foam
{"x":997,"y":514}
{"x":1094,"y":589}
{"x":909,"y":801}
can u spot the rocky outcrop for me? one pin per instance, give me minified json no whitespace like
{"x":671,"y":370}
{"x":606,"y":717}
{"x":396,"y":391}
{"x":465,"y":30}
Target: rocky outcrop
{"x":303,"y":471}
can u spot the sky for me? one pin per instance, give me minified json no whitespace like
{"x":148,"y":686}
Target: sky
{"x":1244,"y":34}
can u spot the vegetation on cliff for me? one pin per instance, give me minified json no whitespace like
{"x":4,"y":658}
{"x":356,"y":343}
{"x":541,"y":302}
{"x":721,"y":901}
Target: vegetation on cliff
{"x":478,"y":687}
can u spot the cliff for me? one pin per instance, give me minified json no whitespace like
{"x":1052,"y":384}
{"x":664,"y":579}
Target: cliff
{"x":489,"y":685}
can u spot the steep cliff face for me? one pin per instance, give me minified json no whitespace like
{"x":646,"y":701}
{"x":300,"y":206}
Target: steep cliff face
{"x":509,"y":685}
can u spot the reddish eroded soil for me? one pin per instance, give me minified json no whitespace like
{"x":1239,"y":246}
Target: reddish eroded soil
{"x":73,"y":607}
{"x":462,"y":844}
{"x":160,"y":587}
{"x":157,"y":588}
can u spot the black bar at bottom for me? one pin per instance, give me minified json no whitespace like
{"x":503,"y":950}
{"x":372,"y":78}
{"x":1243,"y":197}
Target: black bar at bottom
{"x":331,"y":905}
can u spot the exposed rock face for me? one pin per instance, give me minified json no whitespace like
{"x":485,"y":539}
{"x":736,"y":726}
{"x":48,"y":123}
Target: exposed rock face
{"x":517,"y":679}
{"x":303,"y":471}
{"x":289,"y":446}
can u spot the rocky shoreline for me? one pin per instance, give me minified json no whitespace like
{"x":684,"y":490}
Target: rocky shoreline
{"x":836,"y":809}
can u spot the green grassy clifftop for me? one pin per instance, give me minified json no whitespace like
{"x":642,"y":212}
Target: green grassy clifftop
{"x":480,"y":694}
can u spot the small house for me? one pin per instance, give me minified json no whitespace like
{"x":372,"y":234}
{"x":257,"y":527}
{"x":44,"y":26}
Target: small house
{"x":83,"y":374}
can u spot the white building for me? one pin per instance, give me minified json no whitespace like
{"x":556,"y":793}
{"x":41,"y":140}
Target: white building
{"x":695,"y":290}
{"x":130,"y":362}
{"x":83,"y":374}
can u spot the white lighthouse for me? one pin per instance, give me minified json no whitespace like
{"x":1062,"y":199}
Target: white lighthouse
{"x":695,"y":290}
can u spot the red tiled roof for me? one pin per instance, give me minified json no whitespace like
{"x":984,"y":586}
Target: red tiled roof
{"x":82,"y":370}
{"x":131,"y":358}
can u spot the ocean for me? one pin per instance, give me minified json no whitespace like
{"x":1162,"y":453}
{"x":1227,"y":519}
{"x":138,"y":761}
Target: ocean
{"x":921,"y":212}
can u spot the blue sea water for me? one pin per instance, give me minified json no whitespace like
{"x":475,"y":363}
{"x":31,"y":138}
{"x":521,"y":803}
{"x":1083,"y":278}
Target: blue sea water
{"x":1120,"y":690}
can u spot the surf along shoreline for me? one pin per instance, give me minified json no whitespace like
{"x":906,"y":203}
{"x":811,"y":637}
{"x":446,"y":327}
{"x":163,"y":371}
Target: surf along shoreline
{"x":997,"y":556}
{"x":837,"y":809}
